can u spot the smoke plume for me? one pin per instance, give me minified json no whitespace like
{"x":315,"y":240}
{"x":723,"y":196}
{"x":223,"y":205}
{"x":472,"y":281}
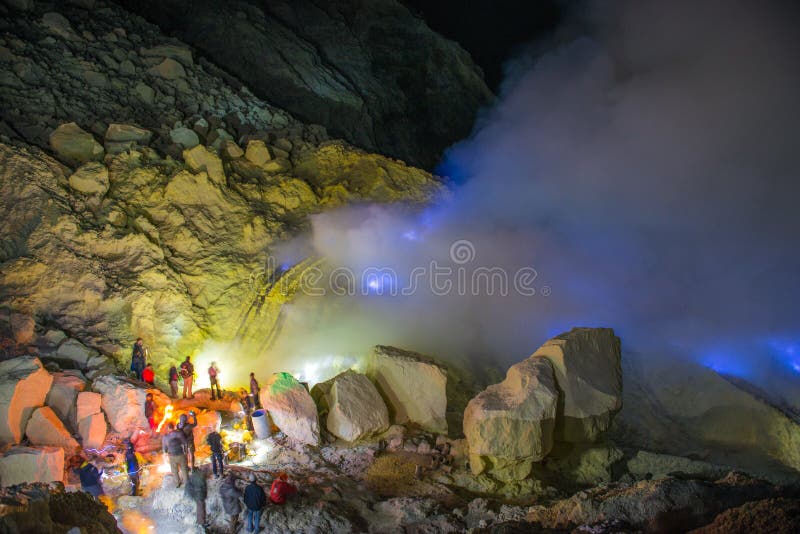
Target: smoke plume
{"x":643,"y":174}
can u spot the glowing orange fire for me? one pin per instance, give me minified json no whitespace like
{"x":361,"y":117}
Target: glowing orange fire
{"x":167,"y":416}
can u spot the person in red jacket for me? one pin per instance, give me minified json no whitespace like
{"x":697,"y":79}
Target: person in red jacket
{"x":281,"y":489}
{"x":148,"y":375}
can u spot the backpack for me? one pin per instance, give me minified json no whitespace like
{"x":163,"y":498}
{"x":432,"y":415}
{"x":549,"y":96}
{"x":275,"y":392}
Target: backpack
{"x":212,"y":372}
{"x":186,"y":370}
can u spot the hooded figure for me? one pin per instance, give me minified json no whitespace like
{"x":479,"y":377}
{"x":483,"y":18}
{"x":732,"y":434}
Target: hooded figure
{"x":231,"y":502}
{"x":197,"y":490}
{"x":138,"y":359}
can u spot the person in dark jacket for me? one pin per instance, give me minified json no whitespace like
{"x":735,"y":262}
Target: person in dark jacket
{"x":174,"y":444}
{"x":247,"y":407}
{"x":231,"y":496}
{"x":172,"y":378}
{"x":90,"y":479}
{"x":187,"y":373}
{"x":197,"y":490}
{"x":133,"y":465}
{"x":254,"y":500}
{"x":214,"y":441}
{"x":138,"y":359}
{"x":187,"y":424}
{"x":255,"y":390}
{"x":150,"y":411}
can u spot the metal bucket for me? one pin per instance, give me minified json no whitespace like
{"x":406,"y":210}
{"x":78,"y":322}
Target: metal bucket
{"x":261,"y":424}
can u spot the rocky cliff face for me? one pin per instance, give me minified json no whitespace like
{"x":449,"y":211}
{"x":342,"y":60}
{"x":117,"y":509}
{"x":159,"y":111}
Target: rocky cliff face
{"x":369,"y":71}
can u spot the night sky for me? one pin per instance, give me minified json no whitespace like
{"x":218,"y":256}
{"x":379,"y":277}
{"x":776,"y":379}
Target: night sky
{"x":491,"y":31}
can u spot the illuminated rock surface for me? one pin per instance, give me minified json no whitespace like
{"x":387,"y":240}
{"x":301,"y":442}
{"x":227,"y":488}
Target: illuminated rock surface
{"x":24,"y":384}
{"x":356,"y":409}
{"x":88,"y":403}
{"x":123,"y":403}
{"x":291,"y":407}
{"x":27,"y":464}
{"x":63,"y":396}
{"x":45,"y":428}
{"x":588,"y":372}
{"x":92,"y":430}
{"x":413,"y":386}
{"x":510,"y":425}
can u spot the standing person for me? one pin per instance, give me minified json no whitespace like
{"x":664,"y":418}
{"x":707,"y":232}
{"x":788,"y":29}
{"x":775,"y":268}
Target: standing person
{"x":197,"y":490}
{"x":187,"y":373}
{"x":187,"y":424}
{"x":255,"y":500}
{"x":230,"y":495}
{"x":173,"y":381}
{"x":174,"y":444}
{"x":247,"y":407}
{"x":150,"y":411}
{"x":148,"y":375}
{"x":137,"y":359}
{"x":281,"y":489}
{"x":213,"y":372}
{"x":214,"y":441}
{"x":255,"y":389}
{"x":133,"y":465}
{"x":90,"y":479}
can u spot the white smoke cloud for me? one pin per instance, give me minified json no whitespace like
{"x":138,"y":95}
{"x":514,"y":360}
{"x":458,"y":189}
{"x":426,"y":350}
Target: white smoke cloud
{"x":647,"y":171}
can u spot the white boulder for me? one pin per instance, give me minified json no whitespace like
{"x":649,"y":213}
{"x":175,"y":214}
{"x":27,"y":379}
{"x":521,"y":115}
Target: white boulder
{"x":355,"y":408}
{"x":291,"y":407}
{"x":27,"y":464}
{"x":87,"y":403}
{"x":588,"y":369}
{"x":45,"y":428}
{"x":24,"y":384}
{"x":123,"y":403}
{"x":93,"y":431}
{"x":510,"y":425}
{"x":63,"y":396}
{"x":413,"y":386}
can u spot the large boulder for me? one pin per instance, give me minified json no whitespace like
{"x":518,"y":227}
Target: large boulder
{"x":92,"y":430}
{"x":90,"y":178}
{"x":355,"y":408}
{"x":588,"y":371}
{"x":63,"y":396}
{"x":75,"y":145}
{"x":45,"y":428}
{"x":87,"y":403}
{"x":413,"y":386}
{"x":510,"y":425}
{"x":73,"y":352}
{"x":291,"y":407}
{"x":27,"y":464}
{"x":24,"y":384}
{"x":123,"y":403}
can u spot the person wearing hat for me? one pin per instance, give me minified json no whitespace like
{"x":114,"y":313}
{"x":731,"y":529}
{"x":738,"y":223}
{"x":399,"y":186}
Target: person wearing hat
{"x":281,"y":489}
{"x":90,"y":478}
{"x":254,"y":500}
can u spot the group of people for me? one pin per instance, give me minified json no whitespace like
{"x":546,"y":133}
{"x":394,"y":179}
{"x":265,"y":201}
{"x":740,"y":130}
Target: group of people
{"x":143,"y":371}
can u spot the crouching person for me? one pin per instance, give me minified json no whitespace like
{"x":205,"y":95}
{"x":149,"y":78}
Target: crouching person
{"x":230,"y":495}
{"x":255,"y":500}
{"x":281,"y":489}
{"x":90,"y":479}
{"x":197,"y":490}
